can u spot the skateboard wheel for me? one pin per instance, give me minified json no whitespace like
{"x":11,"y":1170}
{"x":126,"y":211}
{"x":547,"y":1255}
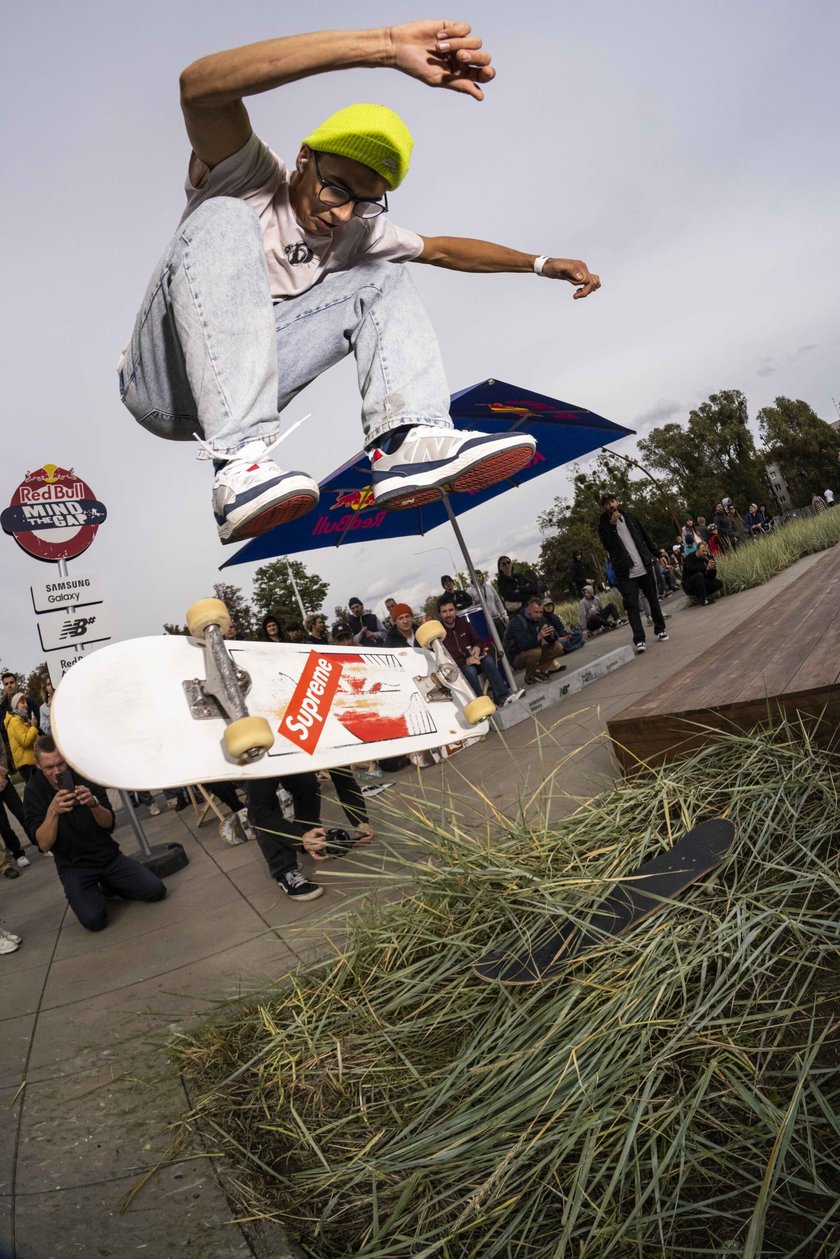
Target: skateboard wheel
{"x":207,"y":612}
{"x":477,"y":709}
{"x":247,"y":738}
{"x":430,"y":632}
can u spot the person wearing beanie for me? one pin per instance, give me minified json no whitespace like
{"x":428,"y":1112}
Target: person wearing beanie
{"x":365,"y":627}
{"x":402,"y":635}
{"x":277,"y":272}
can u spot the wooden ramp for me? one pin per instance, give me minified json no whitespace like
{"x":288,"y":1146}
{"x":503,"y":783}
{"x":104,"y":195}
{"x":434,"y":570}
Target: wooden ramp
{"x":784,"y":657}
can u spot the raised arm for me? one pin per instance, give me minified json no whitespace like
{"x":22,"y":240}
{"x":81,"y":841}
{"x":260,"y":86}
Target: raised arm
{"x":439,"y":54}
{"x":460,"y":253}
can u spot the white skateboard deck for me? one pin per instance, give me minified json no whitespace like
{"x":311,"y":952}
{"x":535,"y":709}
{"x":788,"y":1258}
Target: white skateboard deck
{"x":122,"y":718}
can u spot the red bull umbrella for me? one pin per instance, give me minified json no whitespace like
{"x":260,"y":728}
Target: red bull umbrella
{"x":347,"y":513}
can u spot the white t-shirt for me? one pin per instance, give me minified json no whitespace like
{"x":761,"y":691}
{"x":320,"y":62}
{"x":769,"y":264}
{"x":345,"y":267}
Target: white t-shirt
{"x":638,"y":569}
{"x":296,"y":259}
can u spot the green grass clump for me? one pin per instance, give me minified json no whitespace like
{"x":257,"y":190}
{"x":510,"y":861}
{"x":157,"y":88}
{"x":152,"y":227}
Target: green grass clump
{"x":677,"y":1094}
{"x":757,"y":561}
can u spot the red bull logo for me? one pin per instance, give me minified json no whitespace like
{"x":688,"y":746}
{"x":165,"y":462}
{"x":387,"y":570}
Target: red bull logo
{"x":53,"y":514}
{"x":356,"y":500}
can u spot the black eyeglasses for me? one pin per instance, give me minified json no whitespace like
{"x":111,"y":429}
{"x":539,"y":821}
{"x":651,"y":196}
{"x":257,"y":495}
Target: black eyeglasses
{"x":335,"y":195}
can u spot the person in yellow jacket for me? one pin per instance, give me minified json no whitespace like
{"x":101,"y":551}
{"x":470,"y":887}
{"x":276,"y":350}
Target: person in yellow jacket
{"x":22,"y":731}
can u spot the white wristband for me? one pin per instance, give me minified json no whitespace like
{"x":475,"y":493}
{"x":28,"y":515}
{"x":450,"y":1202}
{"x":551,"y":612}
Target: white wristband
{"x":539,"y":263}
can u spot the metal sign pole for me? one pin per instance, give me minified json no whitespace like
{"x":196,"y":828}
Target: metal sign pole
{"x":491,"y":624}
{"x":139,"y":833}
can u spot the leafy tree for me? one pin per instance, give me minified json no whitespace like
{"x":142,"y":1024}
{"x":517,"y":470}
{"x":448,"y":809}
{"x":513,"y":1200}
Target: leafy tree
{"x":572,"y":525}
{"x":804,"y":445}
{"x":273,"y":590}
{"x":35,"y":683}
{"x":169,"y":628}
{"x":712,"y":456}
{"x":241,"y":612}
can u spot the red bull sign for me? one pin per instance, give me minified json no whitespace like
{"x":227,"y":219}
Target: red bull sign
{"x":53,"y":514}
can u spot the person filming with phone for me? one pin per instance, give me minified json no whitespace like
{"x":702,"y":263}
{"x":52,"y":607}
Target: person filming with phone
{"x":71,"y":818}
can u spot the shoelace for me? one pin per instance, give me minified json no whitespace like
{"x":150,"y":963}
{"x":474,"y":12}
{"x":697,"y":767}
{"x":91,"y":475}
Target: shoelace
{"x":209,"y":453}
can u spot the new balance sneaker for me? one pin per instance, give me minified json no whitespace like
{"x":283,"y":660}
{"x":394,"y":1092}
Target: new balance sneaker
{"x":251,"y":497}
{"x":639,"y":648}
{"x":295,"y":884}
{"x":430,"y":460}
{"x":23,"y":862}
{"x":663,"y":637}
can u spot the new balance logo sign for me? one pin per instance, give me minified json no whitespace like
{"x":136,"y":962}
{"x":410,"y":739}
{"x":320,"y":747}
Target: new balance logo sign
{"x":309,"y":707}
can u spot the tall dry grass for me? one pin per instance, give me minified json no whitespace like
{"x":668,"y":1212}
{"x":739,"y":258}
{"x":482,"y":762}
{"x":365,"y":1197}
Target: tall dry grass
{"x":677,"y":1094}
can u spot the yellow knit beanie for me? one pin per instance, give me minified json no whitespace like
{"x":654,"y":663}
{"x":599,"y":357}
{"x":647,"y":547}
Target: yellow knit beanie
{"x":371,"y":134}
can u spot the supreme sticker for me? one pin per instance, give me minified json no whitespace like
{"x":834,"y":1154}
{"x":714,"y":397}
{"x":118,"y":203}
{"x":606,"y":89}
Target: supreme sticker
{"x":303,"y":720}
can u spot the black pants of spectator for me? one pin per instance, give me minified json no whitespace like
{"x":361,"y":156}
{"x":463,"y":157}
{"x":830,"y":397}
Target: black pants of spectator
{"x":350,"y":795}
{"x":225,"y":792}
{"x":9,"y":799}
{"x":701,"y":587}
{"x":123,"y":875}
{"x":630,"y":589}
{"x":278,"y":838}
{"x":604,"y":619}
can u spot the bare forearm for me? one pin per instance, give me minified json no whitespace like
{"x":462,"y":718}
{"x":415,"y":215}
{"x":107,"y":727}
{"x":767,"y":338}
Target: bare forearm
{"x":462,"y":253}
{"x":224,"y":77}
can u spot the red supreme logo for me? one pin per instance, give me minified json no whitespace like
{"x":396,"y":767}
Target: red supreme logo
{"x":303,"y":720}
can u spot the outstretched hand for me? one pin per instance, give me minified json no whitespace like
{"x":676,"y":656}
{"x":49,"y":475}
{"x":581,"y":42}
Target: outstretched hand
{"x":442,"y":54}
{"x":576,"y":272}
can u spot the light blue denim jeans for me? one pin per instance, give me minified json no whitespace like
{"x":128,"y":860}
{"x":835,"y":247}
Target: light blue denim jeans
{"x":211,"y":353}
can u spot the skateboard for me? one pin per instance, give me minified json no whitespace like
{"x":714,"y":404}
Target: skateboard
{"x":628,"y":903}
{"x":174,"y":710}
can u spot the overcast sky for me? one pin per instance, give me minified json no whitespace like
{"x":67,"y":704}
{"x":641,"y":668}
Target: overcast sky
{"x":687,"y":152}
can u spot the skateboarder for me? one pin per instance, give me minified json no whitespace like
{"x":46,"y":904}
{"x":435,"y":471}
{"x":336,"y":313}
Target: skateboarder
{"x":277,"y":273}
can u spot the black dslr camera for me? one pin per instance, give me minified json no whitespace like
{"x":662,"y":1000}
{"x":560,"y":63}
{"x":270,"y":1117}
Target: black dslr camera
{"x":339,"y":842}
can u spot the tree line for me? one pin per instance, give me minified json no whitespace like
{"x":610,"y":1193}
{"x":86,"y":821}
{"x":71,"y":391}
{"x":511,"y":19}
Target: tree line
{"x":691,"y":467}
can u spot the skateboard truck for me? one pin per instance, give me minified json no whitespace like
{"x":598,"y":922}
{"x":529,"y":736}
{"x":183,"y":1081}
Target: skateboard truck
{"x":245,"y":738}
{"x":446,"y":673}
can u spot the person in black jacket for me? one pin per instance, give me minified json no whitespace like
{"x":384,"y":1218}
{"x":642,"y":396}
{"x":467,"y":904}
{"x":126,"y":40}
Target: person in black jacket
{"x":531,"y":643}
{"x":70,"y":817}
{"x":700,"y":580}
{"x":633,"y":556}
{"x":516,"y":588}
{"x":580,"y":574}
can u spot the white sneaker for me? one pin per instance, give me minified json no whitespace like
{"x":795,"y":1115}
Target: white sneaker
{"x":23,"y":861}
{"x":251,"y":497}
{"x":663,"y":637}
{"x":639,"y":648}
{"x":154,"y":808}
{"x":431,"y":459}
{"x":512,"y":698}
{"x":231,"y":830}
{"x":6,"y":934}
{"x":7,"y":945}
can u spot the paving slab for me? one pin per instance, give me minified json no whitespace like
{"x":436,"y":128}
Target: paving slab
{"x":132,"y":1021}
{"x":181,"y":1212}
{"x":106,"y":1114}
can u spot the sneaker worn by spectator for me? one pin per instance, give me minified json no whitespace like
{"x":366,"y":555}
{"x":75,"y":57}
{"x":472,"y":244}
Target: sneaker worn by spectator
{"x":8,"y":943}
{"x":295,"y":884}
{"x":277,"y":272}
{"x":23,"y":861}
